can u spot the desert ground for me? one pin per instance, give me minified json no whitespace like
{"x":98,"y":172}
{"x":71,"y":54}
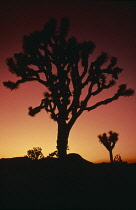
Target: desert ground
{"x":73,"y":183}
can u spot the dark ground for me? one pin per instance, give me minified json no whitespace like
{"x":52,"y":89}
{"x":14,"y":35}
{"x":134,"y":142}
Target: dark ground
{"x":69,"y":184}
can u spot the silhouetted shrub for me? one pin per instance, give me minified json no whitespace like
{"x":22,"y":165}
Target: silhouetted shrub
{"x":35,"y":153}
{"x":51,"y":155}
{"x":118,"y":159}
{"x":55,"y":153}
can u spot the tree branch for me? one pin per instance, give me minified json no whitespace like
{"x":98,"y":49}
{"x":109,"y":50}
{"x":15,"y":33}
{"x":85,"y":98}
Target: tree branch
{"x":106,"y":101}
{"x":14,"y":85}
{"x":122,"y":91}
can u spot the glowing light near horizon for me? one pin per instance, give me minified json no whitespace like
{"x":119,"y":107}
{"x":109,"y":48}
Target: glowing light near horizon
{"x":20,"y":132}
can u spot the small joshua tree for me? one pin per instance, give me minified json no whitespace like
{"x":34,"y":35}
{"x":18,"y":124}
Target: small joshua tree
{"x":35,"y":153}
{"x":109,"y":142}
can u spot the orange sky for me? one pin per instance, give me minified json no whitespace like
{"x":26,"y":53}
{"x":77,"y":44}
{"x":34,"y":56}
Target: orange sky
{"x":112,"y":28}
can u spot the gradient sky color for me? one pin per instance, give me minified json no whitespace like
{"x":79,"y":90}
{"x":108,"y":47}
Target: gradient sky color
{"x":111,"y":25}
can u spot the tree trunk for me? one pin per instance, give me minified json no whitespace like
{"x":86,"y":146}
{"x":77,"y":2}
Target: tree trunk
{"x":111,"y":156}
{"x":62,"y":139}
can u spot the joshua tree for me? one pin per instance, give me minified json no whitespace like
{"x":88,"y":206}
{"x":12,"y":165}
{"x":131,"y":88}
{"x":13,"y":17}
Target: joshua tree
{"x":63,"y":67}
{"x":109,"y":142}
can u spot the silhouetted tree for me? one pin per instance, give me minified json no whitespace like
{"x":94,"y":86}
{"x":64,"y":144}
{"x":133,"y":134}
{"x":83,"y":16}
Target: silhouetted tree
{"x":35,"y":153}
{"x":63,"y":67}
{"x":109,"y":142}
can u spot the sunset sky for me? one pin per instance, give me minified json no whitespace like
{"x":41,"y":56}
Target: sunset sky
{"x":111,"y":25}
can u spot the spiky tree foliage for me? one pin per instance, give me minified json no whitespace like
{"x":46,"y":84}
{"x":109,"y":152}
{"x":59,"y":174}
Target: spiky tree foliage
{"x":63,"y":67}
{"x":109,"y":141}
